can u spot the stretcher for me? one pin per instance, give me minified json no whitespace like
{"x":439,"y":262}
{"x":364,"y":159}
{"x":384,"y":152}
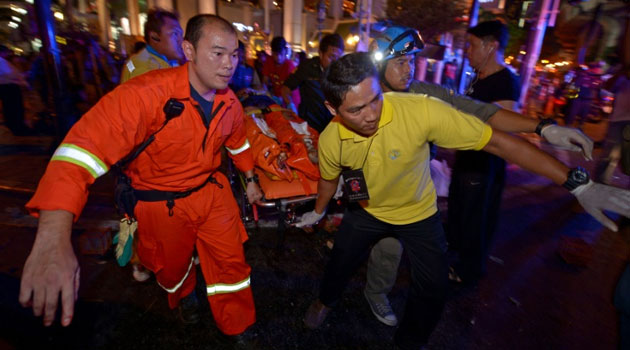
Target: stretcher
{"x":285,"y":155}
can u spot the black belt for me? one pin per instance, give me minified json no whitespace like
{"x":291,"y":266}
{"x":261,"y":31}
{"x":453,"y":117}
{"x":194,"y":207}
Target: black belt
{"x":170,"y":197}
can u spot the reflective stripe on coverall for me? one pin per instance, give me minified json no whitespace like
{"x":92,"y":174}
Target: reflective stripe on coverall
{"x":182,"y":156}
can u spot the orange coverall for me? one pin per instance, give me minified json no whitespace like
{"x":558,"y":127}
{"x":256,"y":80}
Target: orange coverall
{"x":178,"y":159}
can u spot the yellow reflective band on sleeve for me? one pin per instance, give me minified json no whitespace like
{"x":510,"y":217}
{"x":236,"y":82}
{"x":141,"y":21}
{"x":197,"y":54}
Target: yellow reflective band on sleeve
{"x":240,"y":149}
{"x":222,"y":288}
{"x":172,"y":290}
{"x":81,"y":157}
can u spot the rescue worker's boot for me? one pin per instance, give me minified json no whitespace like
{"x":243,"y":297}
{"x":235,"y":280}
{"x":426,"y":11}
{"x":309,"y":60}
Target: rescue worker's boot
{"x":188,"y":309}
{"x":245,"y":341}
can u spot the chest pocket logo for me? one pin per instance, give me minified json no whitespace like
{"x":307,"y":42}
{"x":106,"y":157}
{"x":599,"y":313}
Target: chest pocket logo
{"x":393,"y":154}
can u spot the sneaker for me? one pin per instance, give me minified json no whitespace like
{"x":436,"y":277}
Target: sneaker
{"x":188,"y":309}
{"x":382,"y":311}
{"x":140,"y":273}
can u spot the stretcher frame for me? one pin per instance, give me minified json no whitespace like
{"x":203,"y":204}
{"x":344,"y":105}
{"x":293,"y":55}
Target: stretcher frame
{"x":286,"y":207}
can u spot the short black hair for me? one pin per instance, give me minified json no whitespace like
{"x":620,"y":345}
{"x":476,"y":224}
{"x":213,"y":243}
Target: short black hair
{"x":241,"y":45}
{"x":278,"y":44}
{"x":494,"y":30}
{"x":155,"y":20}
{"x":344,"y":73}
{"x":334,"y":40}
{"x":195,"y":25}
{"x":138,"y":46}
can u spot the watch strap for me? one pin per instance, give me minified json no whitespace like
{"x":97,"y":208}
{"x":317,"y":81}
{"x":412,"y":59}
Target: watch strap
{"x":544,"y":123}
{"x":574,"y":180}
{"x":252,"y":179}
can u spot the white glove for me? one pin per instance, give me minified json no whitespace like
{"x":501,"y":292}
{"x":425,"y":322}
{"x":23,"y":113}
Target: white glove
{"x":596,"y":197}
{"x":568,"y":138}
{"x":310,"y":218}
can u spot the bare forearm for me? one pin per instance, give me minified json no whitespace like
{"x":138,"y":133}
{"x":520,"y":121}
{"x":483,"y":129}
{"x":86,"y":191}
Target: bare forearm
{"x":525,"y":155}
{"x":55,"y":226}
{"x":509,"y":121}
{"x":325,"y":191}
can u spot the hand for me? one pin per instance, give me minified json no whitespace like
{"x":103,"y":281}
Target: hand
{"x":595,"y":197}
{"x":51,"y":268}
{"x":568,"y":138}
{"x":310,"y":218}
{"x":253,"y":192}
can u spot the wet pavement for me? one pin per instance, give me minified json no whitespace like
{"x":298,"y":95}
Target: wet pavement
{"x":531,"y":298}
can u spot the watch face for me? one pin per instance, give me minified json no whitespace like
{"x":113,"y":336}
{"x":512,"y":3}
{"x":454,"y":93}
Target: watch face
{"x":580,"y":176}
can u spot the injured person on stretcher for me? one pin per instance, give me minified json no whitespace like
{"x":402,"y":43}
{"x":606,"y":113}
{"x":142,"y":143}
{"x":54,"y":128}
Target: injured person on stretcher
{"x":284,"y":148}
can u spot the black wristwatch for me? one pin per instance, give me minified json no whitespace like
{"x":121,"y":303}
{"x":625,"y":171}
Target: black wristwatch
{"x":252,"y":179}
{"x":576,"y":177}
{"x":544,"y":123}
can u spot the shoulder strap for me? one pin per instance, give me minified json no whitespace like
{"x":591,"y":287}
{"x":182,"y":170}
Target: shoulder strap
{"x":172,"y":109}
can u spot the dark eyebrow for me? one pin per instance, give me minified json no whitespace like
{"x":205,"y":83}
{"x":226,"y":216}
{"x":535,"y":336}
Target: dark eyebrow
{"x":219,"y":47}
{"x":358,"y":108}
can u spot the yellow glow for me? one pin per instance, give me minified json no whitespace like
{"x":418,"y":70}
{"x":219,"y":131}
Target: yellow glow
{"x":59,"y":16}
{"x":61,"y":40}
{"x":544,"y":61}
{"x":18,"y":9}
{"x":523,"y":52}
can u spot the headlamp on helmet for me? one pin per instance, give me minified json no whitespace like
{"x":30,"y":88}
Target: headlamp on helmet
{"x":397,"y":41}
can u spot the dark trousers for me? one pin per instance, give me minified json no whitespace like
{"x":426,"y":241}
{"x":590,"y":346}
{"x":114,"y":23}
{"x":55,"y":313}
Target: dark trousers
{"x":622,"y":304}
{"x":13,"y":108}
{"x":425,"y":244}
{"x":474,"y":200}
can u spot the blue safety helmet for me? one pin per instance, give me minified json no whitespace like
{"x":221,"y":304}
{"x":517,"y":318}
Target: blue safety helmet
{"x":396,"y":41}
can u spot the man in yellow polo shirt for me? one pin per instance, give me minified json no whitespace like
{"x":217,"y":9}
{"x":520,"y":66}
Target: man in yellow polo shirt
{"x":163,"y":36}
{"x":379,"y":143}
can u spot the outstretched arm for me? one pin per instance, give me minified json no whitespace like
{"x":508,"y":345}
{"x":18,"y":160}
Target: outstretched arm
{"x":563,"y":137}
{"x":507,"y":120}
{"x":51,"y":268}
{"x":594,"y":197}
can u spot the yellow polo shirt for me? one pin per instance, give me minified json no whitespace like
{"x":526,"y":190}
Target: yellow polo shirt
{"x":140,"y":63}
{"x":397,"y":166}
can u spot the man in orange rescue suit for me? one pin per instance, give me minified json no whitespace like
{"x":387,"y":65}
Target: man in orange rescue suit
{"x":180,"y":163}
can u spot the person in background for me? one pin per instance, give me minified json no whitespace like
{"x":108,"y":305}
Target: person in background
{"x":11,"y":83}
{"x":478,"y":177}
{"x":163,"y":37}
{"x":450,"y":75}
{"x":245,"y":76}
{"x":307,"y":80}
{"x":277,"y":69}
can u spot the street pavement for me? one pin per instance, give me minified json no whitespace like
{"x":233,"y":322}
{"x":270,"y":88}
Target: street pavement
{"x":531,"y":298}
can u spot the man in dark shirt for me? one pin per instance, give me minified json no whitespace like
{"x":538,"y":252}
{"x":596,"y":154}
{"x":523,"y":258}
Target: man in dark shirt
{"x":478,"y":178}
{"x":308,"y":78}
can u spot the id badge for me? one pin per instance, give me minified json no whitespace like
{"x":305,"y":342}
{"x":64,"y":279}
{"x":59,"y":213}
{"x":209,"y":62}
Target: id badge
{"x":355,"y":186}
